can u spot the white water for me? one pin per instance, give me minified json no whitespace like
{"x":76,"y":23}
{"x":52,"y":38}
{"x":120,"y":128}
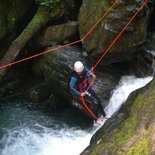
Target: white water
{"x":63,"y":140}
{"x":66,"y":141}
{"x":127,"y":85}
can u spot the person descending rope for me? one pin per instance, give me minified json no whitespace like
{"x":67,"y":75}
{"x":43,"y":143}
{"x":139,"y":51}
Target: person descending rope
{"x":78,"y":86}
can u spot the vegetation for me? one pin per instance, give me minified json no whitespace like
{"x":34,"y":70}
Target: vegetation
{"x":47,"y":10}
{"x":47,"y":2}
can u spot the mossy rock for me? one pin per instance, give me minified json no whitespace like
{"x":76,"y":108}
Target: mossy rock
{"x":104,"y":33}
{"x":133,"y":134}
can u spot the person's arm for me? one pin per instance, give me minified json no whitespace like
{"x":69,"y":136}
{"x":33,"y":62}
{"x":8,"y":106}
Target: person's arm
{"x":72,"y":85}
{"x":89,"y":73}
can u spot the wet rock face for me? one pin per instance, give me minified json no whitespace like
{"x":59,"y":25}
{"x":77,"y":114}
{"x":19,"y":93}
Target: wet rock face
{"x":142,"y":63}
{"x":51,"y":68}
{"x":9,"y":87}
{"x":103,"y":34}
{"x":151,"y":26}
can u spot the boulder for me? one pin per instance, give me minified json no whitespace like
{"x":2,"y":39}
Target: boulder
{"x":57,"y":34}
{"x":51,"y":68}
{"x":100,"y":38}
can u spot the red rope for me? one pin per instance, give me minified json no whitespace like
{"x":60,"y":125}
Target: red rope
{"x":120,"y":33}
{"x":101,"y":18}
{"x":110,"y":46}
{"x":39,"y":54}
{"x":85,"y":36}
{"x":116,"y":38}
{"x":57,"y":48}
{"x":87,"y":108}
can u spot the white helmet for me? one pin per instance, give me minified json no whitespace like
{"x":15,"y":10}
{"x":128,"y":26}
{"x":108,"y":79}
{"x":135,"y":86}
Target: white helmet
{"x":78,"y":66}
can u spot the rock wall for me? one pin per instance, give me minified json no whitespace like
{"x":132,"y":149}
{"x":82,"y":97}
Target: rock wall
{"x":103,"y":34}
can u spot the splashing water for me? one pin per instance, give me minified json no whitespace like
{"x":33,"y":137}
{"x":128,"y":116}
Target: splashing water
{"x":34,"y":133}
{"x":127,"y":85}
{"x":48,"y":142}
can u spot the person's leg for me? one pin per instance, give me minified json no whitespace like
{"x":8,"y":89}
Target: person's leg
{"x":99,"y":105}
{"x":90,"y":103}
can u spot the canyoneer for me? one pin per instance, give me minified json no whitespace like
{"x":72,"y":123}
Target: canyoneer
{"x":78,"y":86}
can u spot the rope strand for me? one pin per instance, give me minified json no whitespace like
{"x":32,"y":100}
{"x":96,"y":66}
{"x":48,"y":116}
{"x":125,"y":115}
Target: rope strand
{"x":110,"y":46}
{"x":57,"y":48}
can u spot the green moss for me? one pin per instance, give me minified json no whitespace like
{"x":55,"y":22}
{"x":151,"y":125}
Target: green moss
{"x":47,"y":2}
{"x":142,"y":105}
{"x":121,"y":135}
{"x":126,"y":131}
{"x":140,"y":148}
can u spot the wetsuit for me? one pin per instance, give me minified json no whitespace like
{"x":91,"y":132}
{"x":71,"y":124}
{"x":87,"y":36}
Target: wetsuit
{"x":79,"y":84}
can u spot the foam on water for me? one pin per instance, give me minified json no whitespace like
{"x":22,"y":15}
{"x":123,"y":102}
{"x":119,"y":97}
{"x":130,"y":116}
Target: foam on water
{"x":47,"y":141}
{"x":127,"y":85}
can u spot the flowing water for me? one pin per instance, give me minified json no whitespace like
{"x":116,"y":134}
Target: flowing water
{"x":28,"y":131}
